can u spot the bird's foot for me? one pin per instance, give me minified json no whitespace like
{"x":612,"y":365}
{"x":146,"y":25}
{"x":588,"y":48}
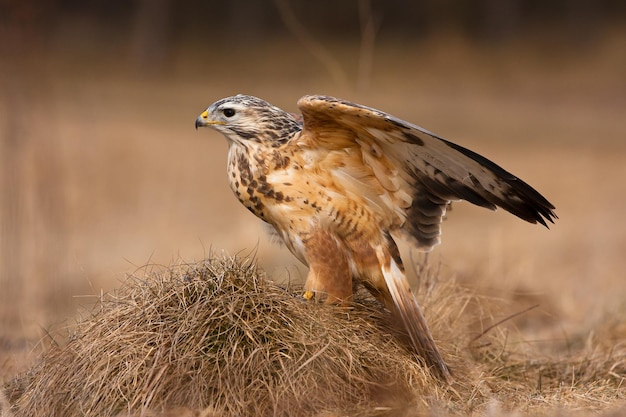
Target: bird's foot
{"x":308,"y":295}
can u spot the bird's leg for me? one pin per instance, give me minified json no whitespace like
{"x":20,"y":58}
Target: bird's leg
{"x":329,"y":272}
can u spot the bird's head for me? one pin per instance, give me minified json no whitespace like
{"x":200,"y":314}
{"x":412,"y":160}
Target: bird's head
{"x":244,"y":118}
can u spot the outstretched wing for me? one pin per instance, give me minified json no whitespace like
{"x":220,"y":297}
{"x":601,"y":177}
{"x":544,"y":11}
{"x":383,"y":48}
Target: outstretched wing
{"x":418,"y":173}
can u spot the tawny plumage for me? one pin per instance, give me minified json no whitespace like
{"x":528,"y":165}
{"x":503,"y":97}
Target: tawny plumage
{"x":338,"y":182}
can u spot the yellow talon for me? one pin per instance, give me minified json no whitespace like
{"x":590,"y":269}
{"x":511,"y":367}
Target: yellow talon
{"x":308,"y":294}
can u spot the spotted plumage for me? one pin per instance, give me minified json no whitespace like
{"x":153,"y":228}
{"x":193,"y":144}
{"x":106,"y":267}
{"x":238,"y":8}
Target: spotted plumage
{"x":338,"y":183}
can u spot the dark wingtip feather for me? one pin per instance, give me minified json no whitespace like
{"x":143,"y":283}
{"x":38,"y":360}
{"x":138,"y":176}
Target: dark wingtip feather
{"x":528,"y":205}
{"x":533,"y":206}
{"x":546,"y":214}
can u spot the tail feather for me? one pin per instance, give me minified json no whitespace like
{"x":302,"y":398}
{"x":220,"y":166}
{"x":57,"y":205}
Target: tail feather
{"x":406,"y":307}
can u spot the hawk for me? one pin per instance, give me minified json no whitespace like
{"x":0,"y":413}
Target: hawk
{"x":341,"y":182}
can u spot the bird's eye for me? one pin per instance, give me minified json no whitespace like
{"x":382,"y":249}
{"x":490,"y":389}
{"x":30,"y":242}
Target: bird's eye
{"x":228,"y":112}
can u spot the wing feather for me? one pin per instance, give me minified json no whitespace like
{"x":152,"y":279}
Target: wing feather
{"x":419,"y":172}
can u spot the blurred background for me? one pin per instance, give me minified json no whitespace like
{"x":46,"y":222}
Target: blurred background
{"x":101,"y":171}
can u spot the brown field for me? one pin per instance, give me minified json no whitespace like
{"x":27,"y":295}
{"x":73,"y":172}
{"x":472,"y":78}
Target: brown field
{"x":102,"y":172}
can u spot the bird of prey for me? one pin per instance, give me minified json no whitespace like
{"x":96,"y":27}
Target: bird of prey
{"x":341,"y":181}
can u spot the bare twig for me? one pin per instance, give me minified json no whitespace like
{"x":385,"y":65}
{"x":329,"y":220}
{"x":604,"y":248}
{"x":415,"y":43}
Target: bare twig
{"x":499,"y":322}
{"x":315,"y":48}
{"x":369,"y":27}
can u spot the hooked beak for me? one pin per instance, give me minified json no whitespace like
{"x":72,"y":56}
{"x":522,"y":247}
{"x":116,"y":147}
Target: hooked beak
{"x":203,"y":120}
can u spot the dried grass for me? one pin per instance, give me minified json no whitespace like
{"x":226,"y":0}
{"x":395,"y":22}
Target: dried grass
{"x":217,"y":338}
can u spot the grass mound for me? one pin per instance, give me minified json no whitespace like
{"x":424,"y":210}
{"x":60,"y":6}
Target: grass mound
{"x":219,"y":337}
{"x":217,"y":334}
